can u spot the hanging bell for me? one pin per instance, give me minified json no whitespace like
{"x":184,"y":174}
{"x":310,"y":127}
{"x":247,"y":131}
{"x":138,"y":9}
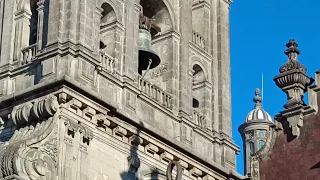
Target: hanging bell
{"x":148,"y":58}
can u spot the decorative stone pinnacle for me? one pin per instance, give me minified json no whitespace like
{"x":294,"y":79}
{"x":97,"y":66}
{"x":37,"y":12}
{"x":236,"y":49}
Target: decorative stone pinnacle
{"x":292,"y":52}
{"x":294,"y":81}
{"x":257,"y":99}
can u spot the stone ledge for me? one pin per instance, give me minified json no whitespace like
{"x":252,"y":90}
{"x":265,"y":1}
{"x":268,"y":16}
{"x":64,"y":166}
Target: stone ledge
{"x":151,"y":143}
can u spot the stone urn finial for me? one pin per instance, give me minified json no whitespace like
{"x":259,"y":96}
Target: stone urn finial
{"x":294,"y":81}
{"x":257,"y":99}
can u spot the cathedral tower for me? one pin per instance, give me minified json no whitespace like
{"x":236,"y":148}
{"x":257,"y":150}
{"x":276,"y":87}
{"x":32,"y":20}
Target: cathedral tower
{"x":73,"y":104}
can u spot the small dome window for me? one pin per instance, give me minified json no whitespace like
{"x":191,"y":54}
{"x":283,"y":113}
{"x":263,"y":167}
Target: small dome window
{"x":260,"y":144}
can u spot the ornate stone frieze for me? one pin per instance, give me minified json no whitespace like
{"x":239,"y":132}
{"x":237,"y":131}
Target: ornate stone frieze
{"x":31,"y":153}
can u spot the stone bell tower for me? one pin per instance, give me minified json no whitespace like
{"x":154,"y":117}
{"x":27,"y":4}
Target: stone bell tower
{"x":79,"y":100}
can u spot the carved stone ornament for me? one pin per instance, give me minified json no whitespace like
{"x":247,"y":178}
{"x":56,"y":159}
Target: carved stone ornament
{"x":292,"y":78}
{"x":31,"y":153}
{"x":159,"y":71}
{"x":294,"y":81}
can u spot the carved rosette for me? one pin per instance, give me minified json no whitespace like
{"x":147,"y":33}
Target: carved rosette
{"x":31,"y":153}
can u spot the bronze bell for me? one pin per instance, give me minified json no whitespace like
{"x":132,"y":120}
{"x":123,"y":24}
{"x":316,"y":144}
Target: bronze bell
{"x":147,"y":56}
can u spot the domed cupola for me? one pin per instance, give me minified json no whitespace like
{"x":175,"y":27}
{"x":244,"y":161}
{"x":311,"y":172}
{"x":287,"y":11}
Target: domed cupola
{"x":258,"y":113}
{"x":255,"y":131}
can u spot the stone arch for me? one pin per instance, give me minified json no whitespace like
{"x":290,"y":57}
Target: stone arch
{"x":108,"y":14}
{"x":114,"y":7}
{"x":198,"y":74}
{"x":161,"y":14}
{"x":107,"y":26}
{"x":196,"y":62}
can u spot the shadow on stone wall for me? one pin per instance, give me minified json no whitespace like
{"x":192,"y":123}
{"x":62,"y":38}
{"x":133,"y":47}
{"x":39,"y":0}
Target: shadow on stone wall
{"x":133,"y":158}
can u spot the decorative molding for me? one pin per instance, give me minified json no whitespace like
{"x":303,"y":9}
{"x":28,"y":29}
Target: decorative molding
{"x":31,"y":153}
{"x":114,"y":127}
{"x":159,"y":71}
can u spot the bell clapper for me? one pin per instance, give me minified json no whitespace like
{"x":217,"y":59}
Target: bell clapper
{"x":148,"y":68}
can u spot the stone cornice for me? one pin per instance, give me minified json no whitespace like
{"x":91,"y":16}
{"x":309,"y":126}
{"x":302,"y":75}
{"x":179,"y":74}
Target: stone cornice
{"x":149,"y":142}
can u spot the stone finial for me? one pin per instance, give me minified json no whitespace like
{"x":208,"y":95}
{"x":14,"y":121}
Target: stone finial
{"x":294,"y":81}
{"x":257,"y":99}
{"x":292,"y":52}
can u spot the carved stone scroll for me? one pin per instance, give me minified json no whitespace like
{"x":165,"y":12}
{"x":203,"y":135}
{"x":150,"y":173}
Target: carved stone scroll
{"x":31,"y":153}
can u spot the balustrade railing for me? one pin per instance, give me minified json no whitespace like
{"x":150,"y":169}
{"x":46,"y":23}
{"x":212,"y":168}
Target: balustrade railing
{"x":198,"y":119}
{"x":155,"y":93}
{"x":28,"y":54}
{"x":198,"y":39}
{"x":107,"y":61}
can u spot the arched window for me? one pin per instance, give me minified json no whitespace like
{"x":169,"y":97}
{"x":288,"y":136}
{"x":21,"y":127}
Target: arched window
{"x":260,"y":144}
{"x":198,"y":90}
{"x":107,"y":29}
{"x":251,"y":145}
{"x":261,"y":133}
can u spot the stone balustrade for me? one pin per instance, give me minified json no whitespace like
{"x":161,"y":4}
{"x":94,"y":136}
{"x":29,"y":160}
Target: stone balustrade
{"x":28,"y":54}
{"x":155,"y":93}
{"x":198,"y":118}
{"x":198,"y":39}
{"x":107,"y":61}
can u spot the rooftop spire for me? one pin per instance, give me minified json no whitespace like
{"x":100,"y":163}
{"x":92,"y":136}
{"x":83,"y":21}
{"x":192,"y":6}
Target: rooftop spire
{"x":257,"y":99}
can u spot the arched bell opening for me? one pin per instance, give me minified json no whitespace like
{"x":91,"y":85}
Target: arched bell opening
{"x":107,"y":29}
{"x":159,"y":15}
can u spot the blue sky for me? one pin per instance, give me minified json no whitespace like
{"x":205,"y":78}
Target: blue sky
{"x":259,"y":32}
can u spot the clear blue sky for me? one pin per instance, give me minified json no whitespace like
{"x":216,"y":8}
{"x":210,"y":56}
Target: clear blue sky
{"x":259,"y":32}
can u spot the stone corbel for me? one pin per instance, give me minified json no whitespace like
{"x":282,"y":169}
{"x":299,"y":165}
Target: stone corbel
{"x":34,"y":111}
{"x":195,"y":172}
{"x":102,"y":121}
{"x":152,"y":149}
{"x":166,"y":157}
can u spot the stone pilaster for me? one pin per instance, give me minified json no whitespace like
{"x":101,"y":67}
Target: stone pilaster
{"x":40,"y":10}
{"x":185,"y":98}
{"x":22,"y":31}
{"x":129,"y":66}
{"x":224,"y":90}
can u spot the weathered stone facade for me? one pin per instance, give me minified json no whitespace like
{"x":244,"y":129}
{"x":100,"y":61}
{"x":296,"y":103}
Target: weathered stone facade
{"x":73,"y":106}
{"x":291,"y":149}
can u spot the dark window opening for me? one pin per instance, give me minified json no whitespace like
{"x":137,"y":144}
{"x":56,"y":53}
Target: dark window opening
{"x":102,"y":45}
{"x":33,"y":24}
{"x":195,"y":103}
